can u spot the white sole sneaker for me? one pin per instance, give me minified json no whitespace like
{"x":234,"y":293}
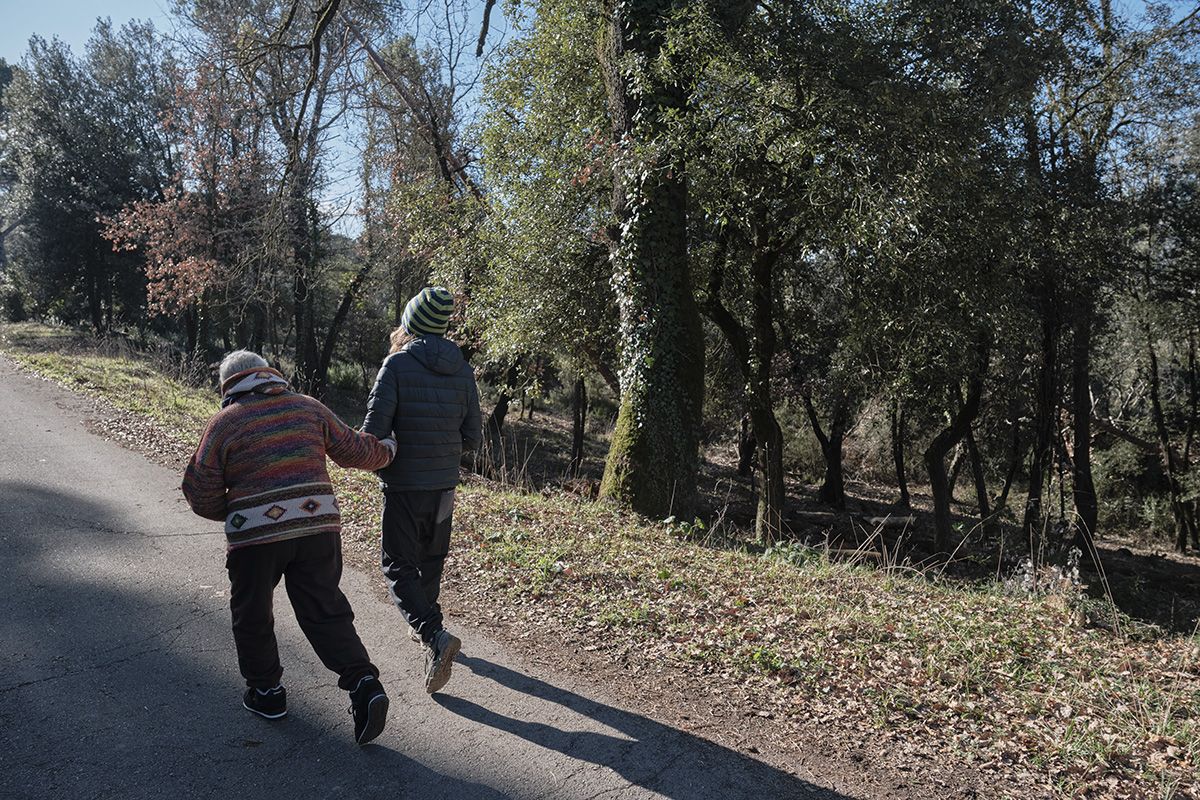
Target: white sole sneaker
{"x":264,"y":714}
{"x":376,"y":718}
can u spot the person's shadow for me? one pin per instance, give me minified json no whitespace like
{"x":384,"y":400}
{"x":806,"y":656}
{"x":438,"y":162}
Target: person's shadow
{"x":655,"y":757}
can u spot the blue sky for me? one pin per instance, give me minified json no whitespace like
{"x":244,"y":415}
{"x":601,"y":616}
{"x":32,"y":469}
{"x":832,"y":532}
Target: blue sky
{"x":70,"y":20}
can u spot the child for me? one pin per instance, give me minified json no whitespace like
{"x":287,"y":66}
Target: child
{"x":425,"y":396}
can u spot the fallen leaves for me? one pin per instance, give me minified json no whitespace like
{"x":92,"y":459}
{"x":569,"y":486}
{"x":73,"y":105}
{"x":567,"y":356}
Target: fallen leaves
{"x":1007,"y":683}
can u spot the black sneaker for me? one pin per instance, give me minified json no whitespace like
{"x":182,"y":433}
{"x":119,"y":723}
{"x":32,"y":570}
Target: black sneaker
{"x":439,"y":658}
{"x":269,"y":703}
{"x":369,"y":707}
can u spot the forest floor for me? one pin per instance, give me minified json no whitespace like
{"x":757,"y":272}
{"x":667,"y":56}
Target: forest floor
{"x":970,"y":680}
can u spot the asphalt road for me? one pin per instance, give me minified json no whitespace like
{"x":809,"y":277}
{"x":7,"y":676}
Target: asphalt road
{"x":118,"y":677}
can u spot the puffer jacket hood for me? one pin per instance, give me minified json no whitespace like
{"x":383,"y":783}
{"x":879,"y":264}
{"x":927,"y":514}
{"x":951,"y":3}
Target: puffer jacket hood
{"x":436,"y":354}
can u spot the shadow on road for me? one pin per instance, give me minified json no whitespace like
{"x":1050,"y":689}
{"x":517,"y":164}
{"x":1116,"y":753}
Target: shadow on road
{"x":118,"y":676}
{"x":118,"y":679}
{"x":648,"y":754}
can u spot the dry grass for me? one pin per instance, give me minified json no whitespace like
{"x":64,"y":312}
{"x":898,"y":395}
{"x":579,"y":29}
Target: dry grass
{"x":1041,"y":691}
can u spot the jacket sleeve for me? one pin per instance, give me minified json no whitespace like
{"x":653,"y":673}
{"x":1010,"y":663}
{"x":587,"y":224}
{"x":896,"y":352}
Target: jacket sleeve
{"x":472,"y":427}
{"x":381,"y":405}
{"x":204,"y":478}
{"x":350,"y":448}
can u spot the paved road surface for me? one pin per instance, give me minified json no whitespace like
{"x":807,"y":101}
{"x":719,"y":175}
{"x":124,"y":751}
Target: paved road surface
{"x":118,"y":677}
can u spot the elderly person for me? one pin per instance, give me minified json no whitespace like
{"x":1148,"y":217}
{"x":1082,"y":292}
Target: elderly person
{"x":260,"y":468}
{"x":425,"y":395}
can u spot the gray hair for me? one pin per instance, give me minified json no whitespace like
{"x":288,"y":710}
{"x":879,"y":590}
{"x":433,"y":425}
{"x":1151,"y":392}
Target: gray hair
{"x":239,"y":361}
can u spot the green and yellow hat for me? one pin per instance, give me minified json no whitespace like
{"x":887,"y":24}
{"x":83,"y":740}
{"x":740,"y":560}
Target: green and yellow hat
{"x":429,"y":312}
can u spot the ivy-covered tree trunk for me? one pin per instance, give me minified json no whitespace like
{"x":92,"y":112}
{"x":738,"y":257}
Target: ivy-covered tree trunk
{"x":1016,"y":453}
{"x":305,"y":351}
{"x":335,"y":327}
{"x":1046,"y":291}
{"x":1193,"y":394}
{"x":653,"y":459}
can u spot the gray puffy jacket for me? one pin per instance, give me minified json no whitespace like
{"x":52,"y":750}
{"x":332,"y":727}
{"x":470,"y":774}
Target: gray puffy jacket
{"x":426,"y":396}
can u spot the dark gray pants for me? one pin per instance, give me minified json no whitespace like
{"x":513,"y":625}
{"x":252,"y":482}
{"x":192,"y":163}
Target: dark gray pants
{"x":416,"y":539}
{"x":312,"y":568}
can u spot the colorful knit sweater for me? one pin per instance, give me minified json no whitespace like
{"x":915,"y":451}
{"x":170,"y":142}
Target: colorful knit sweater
{"x":260,"y":464}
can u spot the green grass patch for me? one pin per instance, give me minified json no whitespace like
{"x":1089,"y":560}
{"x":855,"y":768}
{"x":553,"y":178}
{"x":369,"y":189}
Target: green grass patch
{"x":109,"y":371}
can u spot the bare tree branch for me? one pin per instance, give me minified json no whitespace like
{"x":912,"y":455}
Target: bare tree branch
{"x":483,"y":30}
{"x":428,"y":123}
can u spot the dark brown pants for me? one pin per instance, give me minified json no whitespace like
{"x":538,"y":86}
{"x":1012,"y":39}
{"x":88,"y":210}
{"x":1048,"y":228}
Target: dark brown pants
{"x":312,"y":567}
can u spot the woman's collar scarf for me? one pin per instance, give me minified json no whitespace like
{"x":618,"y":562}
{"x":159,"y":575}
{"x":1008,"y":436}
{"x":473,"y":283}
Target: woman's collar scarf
{"x":260,"y":380}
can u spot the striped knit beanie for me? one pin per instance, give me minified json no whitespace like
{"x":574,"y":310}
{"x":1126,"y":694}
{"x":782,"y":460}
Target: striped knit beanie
{"x":428,"y":312}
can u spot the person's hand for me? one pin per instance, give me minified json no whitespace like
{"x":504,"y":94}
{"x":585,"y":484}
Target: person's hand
{"x":390,"y":444}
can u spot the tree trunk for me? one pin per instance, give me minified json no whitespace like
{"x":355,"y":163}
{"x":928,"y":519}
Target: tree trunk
{"x":977,"y":471}
{"x":939,"y":485}
{"x":191,"y":330}
{"x":1179,"y":510}
{"x":956,"y":465}
{"x":833,"y":486}
{"x":493,"y":429}
{"x":302,"y":325}
{"x":1083,"y":493}
{"x":653,"y":460}
{"x":898,"y":442}
{"x":935,"y":456}
{"x":1045,"y":392}
{"x":109,"y":278}
{"x":579,"y":409}
{"x":203,"y":329}
{"x":746,"y":448}
{"x":93,"y":296}
{"x":1193,"y":385}
{"x":772,"y":490}
{"x":1045,"y":405}
{"x":321,"y":378}
{"x":303,"y":257}
{"x":768,"y":521}
{"x":754,"y":347}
